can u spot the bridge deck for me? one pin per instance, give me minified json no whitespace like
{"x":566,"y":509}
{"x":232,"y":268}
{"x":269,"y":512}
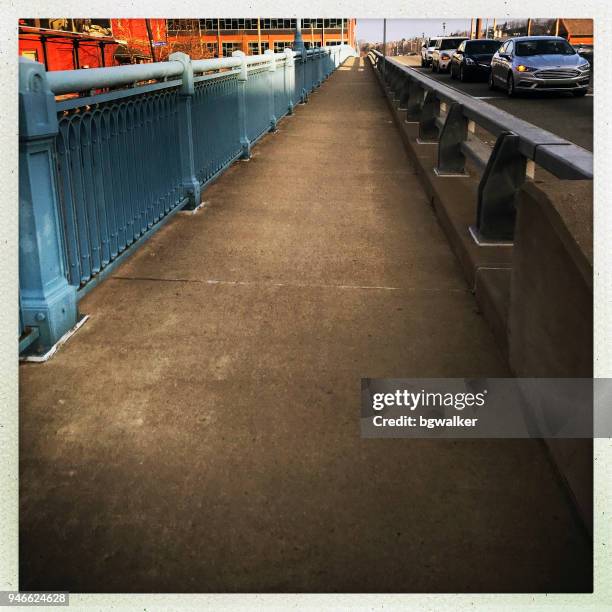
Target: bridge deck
{"x":201,"y":431}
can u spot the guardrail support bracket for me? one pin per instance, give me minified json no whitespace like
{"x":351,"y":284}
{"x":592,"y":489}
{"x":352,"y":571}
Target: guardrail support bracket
{"x":414,"y":102}
{"x":498,"y":188}
{"x":428,"y":130}
{"x":451,"y":160}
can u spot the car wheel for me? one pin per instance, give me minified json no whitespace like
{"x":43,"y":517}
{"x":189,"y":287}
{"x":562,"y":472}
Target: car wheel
{"x":492,"y":85}
{"x":462,"y":74}
{"x":433,"y":66}
{"x":451,"y":72}
{"x":510,"y":86}
{"x":423,"y":64}
{"x":579,"y":93}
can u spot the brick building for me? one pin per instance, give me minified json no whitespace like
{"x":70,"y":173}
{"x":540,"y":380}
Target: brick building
{"x":64,"y":44}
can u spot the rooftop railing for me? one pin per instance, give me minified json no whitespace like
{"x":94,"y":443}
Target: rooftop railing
{"x":109,"y":154}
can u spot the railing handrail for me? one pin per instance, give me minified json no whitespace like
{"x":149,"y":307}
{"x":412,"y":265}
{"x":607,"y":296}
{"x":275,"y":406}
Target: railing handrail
{"x":555,"y":154}
{"x":86,"y":79}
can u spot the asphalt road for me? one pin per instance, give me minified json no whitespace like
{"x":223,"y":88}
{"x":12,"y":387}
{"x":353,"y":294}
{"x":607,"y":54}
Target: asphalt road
{"x":562,"y":114}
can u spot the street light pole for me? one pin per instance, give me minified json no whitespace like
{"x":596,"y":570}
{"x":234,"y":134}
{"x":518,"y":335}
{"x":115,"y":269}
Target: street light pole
{"x":384,"y":66}
{"x":384,"y":37}
{"x":298,"y":42}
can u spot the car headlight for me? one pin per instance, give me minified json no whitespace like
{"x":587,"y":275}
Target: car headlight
{"x":523,"y":68}
{"x":584,"y":67}
{"x":469,"y":61}
{"x":445,"y":56}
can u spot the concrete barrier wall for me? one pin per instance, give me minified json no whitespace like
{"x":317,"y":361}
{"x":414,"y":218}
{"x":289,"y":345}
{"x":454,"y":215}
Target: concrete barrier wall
{"x":536,"y":294}
{"x":550,"y":326}
{"x":550,"y":321}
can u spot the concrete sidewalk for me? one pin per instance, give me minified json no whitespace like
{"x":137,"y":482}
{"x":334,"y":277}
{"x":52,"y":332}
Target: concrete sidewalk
{"x":201,"y":431}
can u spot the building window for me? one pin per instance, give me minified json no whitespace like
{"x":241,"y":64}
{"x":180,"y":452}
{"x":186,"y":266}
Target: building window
{"x":247,"y":24}
{"x":182,"y":25}
{"x":318,"y":23}
{"x":278,"y":24}
{"x":253,"y":48}
{"x":279,"y":45}
{"x":211,"y":48}
{"x":312,"y":45}
{"x":229,"y":48}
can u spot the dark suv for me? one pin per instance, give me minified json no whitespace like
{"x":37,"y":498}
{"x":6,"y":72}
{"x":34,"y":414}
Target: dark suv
{"x":473,"y":59}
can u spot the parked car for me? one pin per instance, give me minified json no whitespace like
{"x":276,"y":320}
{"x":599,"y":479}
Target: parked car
{"x":443,"y":51}
{"x":539,"y":63}
{"x":473,"y":59}
{"x":427,"y":50}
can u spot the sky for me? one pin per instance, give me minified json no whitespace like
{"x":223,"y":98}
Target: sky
{"x":371,"y":30}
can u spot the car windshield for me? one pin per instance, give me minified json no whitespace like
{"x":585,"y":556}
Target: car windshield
{"x":450,"y":43}
{"x":432,"y":42}
{"x":482,"y":46}
{"x":543,"y":47}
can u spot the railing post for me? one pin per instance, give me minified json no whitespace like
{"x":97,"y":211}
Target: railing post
{"x":289,"y":78}
{"x":451,"y":160}
{"x":404,"y":94}
{"x":48,"y":302}
{"x":428,"y":130}
{"x":498,"y":188}
{"x":191,"y":185}
{"x":414,"y":101}
{"x":271,"y":85}
{"x":243,"y":75}
{"x":304,"y":70}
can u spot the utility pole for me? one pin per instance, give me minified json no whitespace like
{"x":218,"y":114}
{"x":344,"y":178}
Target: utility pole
{"x":384,"y":66}
{"x":342,"y":31}
{"x":220,"y":46}
{"x":322,"y":32}
{"x":444,"y":28}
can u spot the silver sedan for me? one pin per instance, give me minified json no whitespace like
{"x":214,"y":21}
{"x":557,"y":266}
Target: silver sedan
{"x":539,"y":63}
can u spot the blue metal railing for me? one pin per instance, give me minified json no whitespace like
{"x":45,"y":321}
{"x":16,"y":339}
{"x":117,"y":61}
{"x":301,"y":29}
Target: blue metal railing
{"x":214,"y":110}
{"x":258,"y":102}
{"x":110,"y":193}
{"x":101,"y":170}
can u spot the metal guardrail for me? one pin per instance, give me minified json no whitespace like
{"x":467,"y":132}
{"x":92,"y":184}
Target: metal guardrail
{"x":102,"y":169}
{"x":504,"y":167}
